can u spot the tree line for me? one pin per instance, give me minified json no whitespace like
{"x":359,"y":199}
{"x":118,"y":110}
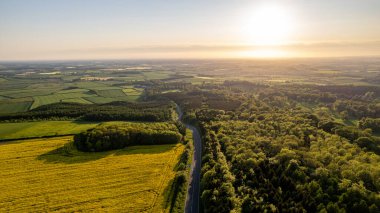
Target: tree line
{"x":108,"y":137}
{"x":123,"y":111}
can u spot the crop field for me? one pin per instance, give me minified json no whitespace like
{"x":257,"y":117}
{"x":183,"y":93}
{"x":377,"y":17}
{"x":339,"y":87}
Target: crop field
{"x":88,"y":85}
{"x":150,"y":75}
{"x":72,"y":91}
{"x":25,"y":93}
{"x":130,"y":90}
{"x":133,"y":78}
{"x":13,"y":107}
{"x":38,"y":177}
{"x":49,"y":99}
{"x":41,"y":128}
{"x":77,"y":100}
{"x":110,"y":93}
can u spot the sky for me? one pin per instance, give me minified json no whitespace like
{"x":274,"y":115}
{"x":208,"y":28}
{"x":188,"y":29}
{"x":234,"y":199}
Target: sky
{"x":142,"y":29}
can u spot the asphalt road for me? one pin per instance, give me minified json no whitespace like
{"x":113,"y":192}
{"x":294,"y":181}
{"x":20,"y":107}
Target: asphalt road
{"x":193,"y":190}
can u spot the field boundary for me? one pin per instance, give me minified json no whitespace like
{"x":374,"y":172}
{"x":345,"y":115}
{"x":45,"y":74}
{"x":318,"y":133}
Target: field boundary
{"x":47,"y":136}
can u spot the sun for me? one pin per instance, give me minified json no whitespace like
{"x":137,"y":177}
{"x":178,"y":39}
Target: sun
{"x":269,"y":24}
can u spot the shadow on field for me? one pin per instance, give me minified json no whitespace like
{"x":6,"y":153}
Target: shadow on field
{"x":146,"y":149}
{"x":168,"y":196}
{"x":70,"y":155}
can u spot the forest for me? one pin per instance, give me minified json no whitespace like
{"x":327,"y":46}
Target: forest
{"x":287,"y":149}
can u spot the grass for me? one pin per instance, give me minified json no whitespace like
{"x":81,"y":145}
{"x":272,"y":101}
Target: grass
{"x":172,"y":90}
{"x":111,"y":93}
{"x":73,"y":91}
{"x":14,"y":107}
{"x":76,"y":100}
{"x":37,"y":177}
{"x":26,"y":93}
{"x":154,"y":75}
{"x":132,"y":91}
{"x":41,"y":128}
{"x":55,"y":98}
{"x":88,"y":85}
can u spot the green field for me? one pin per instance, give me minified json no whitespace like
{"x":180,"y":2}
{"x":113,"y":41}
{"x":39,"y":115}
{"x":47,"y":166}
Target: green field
{"x":172,"y":90}
{"x":55,"y":98}
{"x":132,"y":91}
{"x":41,"y":128}
{"x":72,"y":91}
{"x":13,"y":107}
{"x":77,"y":100}
{"x":110,"y":93}
{"x":154,"y":75}
{"x":26,"y":93}
{"x":88,"y":85}
{"x":36,"y":176}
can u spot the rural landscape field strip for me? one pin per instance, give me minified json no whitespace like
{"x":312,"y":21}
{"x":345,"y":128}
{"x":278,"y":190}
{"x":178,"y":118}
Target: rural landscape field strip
{"x":55,"y":98}
{"x":13,"y":107}
{"x":110,"y":93}
{"x":42,"y":129}
{"x":36,"y":179}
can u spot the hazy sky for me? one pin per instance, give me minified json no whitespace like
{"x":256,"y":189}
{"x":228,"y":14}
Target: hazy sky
{"x":104,"y":29}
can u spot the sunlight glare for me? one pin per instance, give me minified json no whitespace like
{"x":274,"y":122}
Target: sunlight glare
{"x":269,"y":24}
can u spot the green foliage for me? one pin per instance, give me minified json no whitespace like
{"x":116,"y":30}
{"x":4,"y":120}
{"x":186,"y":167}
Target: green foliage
{"x":145,"y":111}
{"x":37,"y":129}
{"x":179,"y":185}
{"x":181,"y":127}
{"x":270,"y":155}
{"x":218,"y":193}
{"x":109,"y":137}
{"x":372,"y":123}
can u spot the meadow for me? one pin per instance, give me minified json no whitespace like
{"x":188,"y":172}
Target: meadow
{"x":42,"y":128}
{"x":49,"y":99}
{"x":37,"y":176}
{"x":14,"y":107}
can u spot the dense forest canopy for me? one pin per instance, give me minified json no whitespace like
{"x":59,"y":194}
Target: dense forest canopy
{"x":287,"y":148}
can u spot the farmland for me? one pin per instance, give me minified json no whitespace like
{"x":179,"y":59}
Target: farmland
{"x":49,"y":99}
{"x":36,"y":176}
{"x":14,"y":107}
{"x":41,"y":129}
{"x":110,"y":93}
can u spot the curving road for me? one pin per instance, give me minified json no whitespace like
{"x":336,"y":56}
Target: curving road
{"x":193,"y":190}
